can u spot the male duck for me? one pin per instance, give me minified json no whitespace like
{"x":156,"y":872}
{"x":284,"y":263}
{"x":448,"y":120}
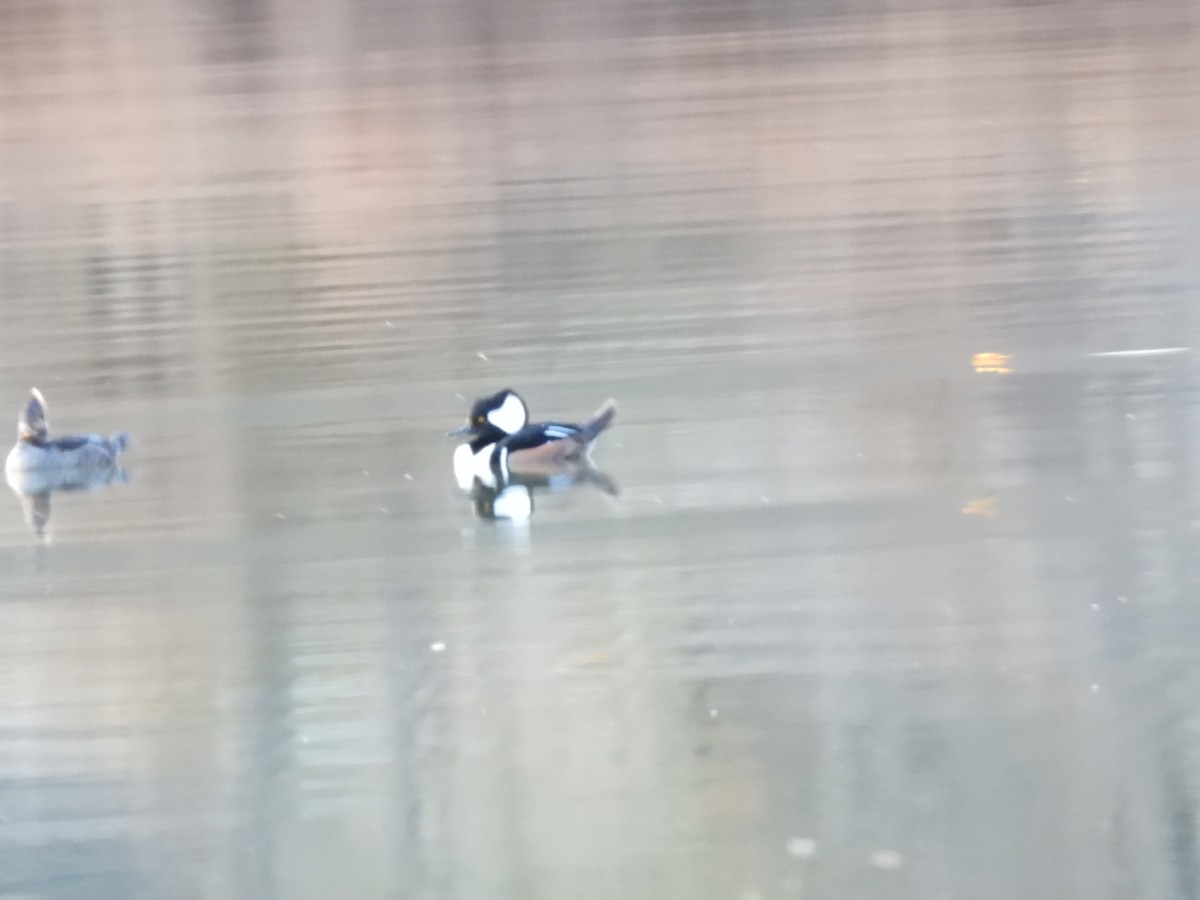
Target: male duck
{"x":503,"y":442}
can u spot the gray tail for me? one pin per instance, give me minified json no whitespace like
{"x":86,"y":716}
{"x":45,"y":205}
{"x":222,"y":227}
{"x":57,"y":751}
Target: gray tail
{"x":594,"y":426}
{"x":120,"y":441}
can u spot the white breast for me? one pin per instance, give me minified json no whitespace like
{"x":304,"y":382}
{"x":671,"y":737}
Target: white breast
{"x":468,"y":466}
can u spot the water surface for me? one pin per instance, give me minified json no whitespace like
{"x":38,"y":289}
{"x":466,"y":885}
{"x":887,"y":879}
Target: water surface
{"x":872,"y":615}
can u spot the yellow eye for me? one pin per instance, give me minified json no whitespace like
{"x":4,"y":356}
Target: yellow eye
{"x":479,"y":420}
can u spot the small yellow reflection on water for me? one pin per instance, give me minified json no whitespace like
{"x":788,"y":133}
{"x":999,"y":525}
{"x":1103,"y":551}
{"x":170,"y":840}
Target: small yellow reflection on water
{"x":991,"y":362}
{"x":988,"y":507}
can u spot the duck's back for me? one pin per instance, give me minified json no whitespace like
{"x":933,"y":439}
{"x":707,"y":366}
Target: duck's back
{"x":80,"y":452}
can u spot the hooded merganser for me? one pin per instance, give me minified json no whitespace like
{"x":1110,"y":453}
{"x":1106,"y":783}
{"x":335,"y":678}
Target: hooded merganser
{"x":503,"y":441}
{"x":78,"y":454}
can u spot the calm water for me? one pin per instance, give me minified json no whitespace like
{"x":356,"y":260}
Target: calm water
{"x":865,"y":619}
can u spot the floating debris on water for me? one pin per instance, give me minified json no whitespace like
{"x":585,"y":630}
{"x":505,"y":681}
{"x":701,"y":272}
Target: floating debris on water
{"x":886,"y":859}
{"x":1149,"y":351}
{"x":801,"y":848}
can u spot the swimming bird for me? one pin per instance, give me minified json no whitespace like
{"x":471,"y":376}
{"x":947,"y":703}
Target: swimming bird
{"x":503,"y":442}
{"x":77,"y":455}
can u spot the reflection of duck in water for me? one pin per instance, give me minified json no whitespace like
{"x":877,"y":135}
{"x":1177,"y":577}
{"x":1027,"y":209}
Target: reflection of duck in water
{"x":38,"y":466}
{"x":503,"y":444}
{"x":513,"y":498}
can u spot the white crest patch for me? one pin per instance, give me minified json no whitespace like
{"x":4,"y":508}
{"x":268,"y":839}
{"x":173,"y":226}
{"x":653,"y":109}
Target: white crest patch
{"x":510,"y":416}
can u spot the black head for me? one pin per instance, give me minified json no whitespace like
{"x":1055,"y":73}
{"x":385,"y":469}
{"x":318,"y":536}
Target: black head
{"x":31,"y":426}
{"x":494,"y":417}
